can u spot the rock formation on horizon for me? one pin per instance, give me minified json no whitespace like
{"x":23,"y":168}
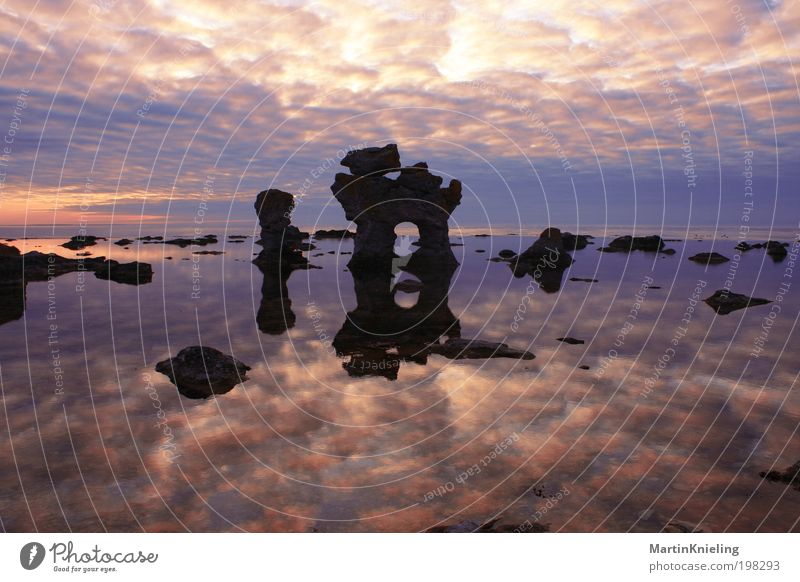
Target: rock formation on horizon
{"x":281,"y":240}
{"x":377,"y":204}
{"x":545,"y":260}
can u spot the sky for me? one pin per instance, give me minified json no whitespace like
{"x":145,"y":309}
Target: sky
{"x":562,"y":113}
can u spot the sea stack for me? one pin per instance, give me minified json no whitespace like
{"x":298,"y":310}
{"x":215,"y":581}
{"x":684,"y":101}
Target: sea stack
{"x":377,"y":204}
{"x":280,"y":239}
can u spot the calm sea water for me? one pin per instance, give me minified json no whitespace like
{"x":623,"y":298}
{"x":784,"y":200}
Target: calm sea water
{"x":673,"y":420}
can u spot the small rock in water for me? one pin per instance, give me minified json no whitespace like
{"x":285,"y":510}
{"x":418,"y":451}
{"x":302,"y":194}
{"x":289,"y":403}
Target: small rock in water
{"x":506,"y":254}
{"x":77,"y":243}
{"x":128,"y":273}
{"x":583,"y":280}
{"x":467,"y":349}
{"x":723,"y":301}
{"x":712,"y":258}
{"x":200,"y":372}
{"x":625,"y":244}
{"x":570,"y":340}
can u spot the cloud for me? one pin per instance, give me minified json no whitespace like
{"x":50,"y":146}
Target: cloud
{"x":149,"y":98}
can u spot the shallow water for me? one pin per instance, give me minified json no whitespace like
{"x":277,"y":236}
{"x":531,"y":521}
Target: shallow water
{"x":316,"y":441}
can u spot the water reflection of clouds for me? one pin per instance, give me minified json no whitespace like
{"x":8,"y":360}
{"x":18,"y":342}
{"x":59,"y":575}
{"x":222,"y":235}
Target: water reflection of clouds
{"x":307,"y":443}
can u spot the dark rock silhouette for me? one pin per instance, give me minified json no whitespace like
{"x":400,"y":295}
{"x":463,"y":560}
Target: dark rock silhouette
{"x":80,"y":242}
{"x":8,"y":251}
{"x":492,"y":526}
{"x":200,"y":371}
{"x":625,"y":244}
{"x":575,"y":242}
{"x":12,"y":300}
{"x":377,"y":204}
{"x":545,"y":260}
{"x":712,"y":258}
{"x":333,"y":233}
{"x":570,"y":340}
{"x":124,"y":242}
{"x":373,"y":161}
{"x":789,"y":476}
{"x":128,"y":273}
{"x":281,"y":241}
{"x":378,"y":335}
{"x":275,"y":314}
{"x":17,"y":270}
{"x":724,"y":302}
{"x":209,"y":239}
{"x":777,"y":250}
{"x":470,"y":349}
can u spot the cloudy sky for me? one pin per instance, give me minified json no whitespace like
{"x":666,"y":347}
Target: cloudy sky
{"x":559,"y":112}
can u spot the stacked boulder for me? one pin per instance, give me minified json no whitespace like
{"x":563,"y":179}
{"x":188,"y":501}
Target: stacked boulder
{"x":281,"y":240}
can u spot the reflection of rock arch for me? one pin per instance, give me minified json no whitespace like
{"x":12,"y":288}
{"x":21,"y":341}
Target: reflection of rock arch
{"x":379,"y":334}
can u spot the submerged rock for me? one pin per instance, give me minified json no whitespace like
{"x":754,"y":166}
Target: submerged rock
{"x":724,"y":302}
{"x":469,"y":349}
{"x":625,"y":244}
{"x":80,"y":242}
{"x":200,"y":372}
{"x":209,"y":239}
{"x":712,"y":258}
{"x":127,"y":273}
